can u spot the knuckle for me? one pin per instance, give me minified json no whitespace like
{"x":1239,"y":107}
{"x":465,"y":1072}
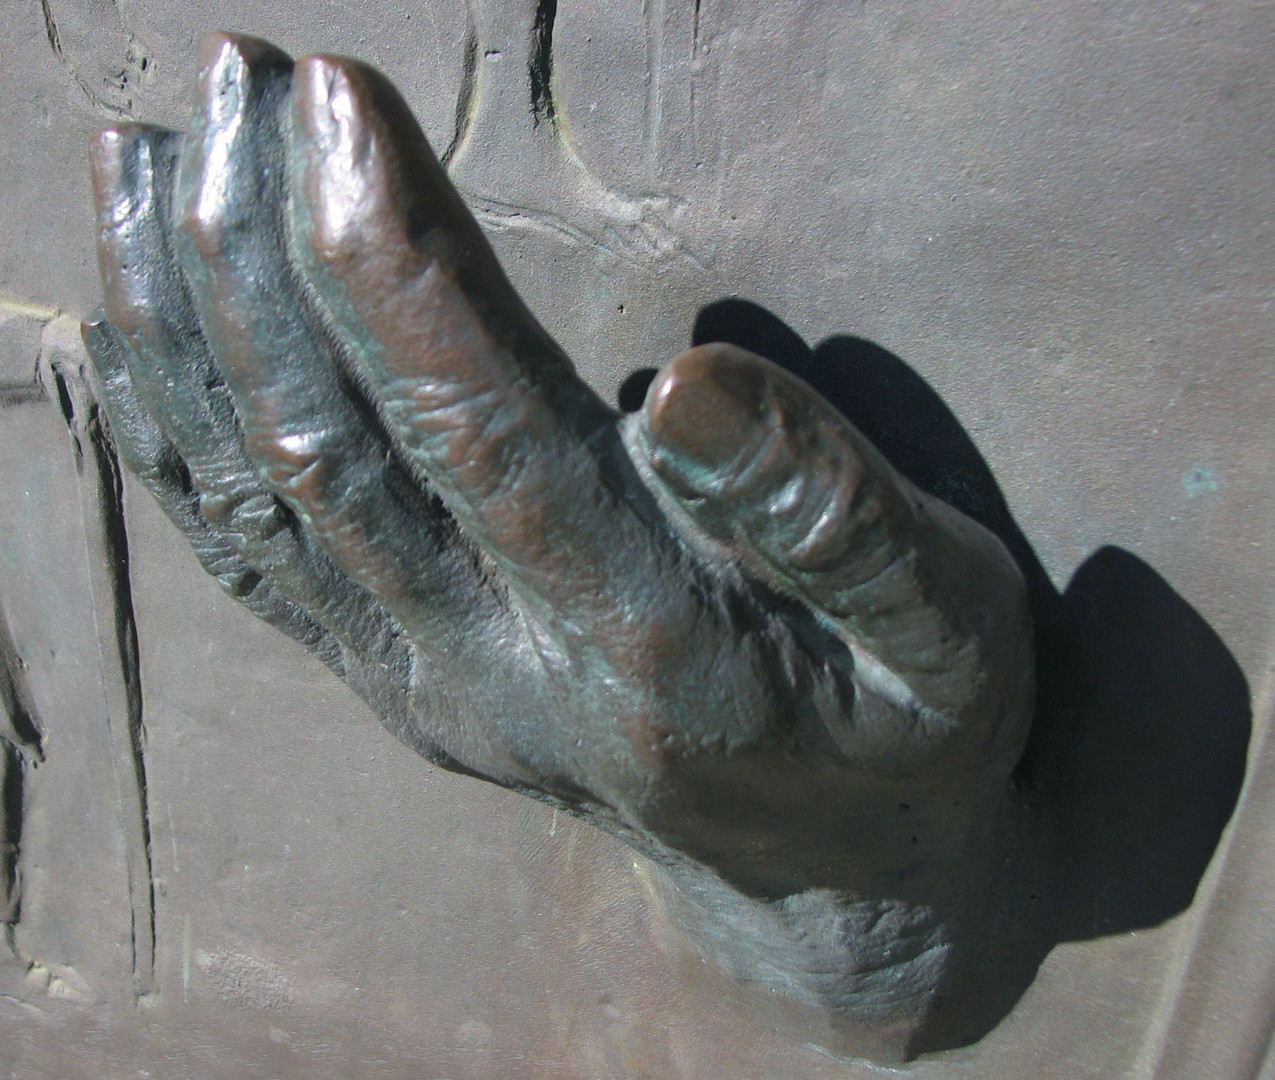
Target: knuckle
{"x":247,"y":512}
{"x":334,"y":233}
{"x":295,"y":463}
{"x":205,"y":226}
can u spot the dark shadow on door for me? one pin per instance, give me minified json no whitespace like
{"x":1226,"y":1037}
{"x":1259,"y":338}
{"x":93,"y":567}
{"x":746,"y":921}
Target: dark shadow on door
{"x":1138,"y":747}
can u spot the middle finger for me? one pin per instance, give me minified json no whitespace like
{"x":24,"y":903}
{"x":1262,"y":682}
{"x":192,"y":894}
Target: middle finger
{"x":313,"y":439}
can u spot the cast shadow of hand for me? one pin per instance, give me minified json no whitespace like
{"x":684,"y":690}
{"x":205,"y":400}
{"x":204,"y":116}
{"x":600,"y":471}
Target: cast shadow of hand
{"x":1137,"y":753}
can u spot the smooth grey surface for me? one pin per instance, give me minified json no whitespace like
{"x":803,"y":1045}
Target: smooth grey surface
{"x":1058,"y":216}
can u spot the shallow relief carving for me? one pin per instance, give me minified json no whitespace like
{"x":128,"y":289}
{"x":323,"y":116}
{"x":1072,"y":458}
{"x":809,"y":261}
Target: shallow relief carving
{"x":722,"y":627}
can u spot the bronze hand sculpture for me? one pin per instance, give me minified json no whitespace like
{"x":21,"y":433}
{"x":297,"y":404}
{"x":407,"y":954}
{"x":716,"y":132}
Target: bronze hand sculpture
{"x":722,"y":628}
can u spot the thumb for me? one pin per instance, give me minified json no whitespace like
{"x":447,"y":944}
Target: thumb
{"x":930,"y":603}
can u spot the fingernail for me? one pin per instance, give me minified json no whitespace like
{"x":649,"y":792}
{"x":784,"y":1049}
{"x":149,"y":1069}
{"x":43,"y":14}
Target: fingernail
{"x":125,"y":161}
{"x":93,"y":328}
{"x":225,"y":60}
{"x":329,"y":111}
{"x":221,"y":187}
{"x":704,"y":411}
{"x":327,"y":141}
{"x":219,"y":86}
{"x":318,"y":83}
{"x":99,"y":341}
{"x":232,"y":68}
{"x":113,"y":197}
{"x":105,"y":150}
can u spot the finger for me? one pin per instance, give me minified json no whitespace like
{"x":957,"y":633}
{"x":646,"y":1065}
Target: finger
{"x":483,"y":402}
{"x":166,"y":366}
{"x":147,"y":302}
{"x":153,"y":460}
{"x":930,"y":603}
{"x":386,"y":676}
{"x":316,"y":444}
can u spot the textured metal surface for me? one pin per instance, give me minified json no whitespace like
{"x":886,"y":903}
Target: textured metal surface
{"x":1058,"y":216}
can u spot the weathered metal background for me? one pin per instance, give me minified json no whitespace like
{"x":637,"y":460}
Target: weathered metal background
{"x":1056,"y":215}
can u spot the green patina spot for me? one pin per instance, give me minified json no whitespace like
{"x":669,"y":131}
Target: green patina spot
{"x":1200,"y":482}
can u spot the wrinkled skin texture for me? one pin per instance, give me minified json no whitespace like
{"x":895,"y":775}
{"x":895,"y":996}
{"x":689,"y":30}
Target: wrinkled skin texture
{"x":722,"y":628}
